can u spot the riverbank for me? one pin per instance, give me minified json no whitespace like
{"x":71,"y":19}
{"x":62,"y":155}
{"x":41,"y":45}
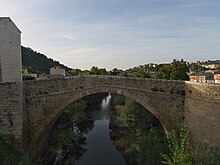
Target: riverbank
{"x":136,"y":133}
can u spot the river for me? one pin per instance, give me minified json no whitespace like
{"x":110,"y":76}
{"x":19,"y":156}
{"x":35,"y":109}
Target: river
{"x":100,"y":148}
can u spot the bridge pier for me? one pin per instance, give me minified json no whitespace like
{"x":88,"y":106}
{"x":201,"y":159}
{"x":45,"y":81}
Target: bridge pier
{"x":13,"y":114}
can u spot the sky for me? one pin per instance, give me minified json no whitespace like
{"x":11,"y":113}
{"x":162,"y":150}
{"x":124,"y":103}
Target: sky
{"x":118,"y":33}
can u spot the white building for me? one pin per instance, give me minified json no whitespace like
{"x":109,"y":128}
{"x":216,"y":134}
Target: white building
{"x":56,"y":70}
{"x":10,"y":51}
{"x":211,"y":66}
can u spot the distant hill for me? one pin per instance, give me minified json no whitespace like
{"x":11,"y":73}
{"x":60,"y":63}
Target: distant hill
{"x":39,"y":62}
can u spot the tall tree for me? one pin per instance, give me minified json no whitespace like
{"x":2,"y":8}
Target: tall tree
{"x":94,"y":70}
{"x":177,"y":70}
{"x":98,"y":71}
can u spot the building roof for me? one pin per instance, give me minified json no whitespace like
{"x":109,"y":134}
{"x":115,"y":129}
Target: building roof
{"x":217,"y":72}
{"x":10,"y":20}
{"x":193,"y":74}
{"x":56,"y":67}
{"x":208,"y":75}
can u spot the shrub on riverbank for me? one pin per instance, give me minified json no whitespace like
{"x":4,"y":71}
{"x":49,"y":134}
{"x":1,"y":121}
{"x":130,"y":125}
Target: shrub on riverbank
{"x":137,"y":133}
{"x":182,"y":153}
{"x":9,"y":155}
{"x":66,"y":140}
{"x":65,"y":137}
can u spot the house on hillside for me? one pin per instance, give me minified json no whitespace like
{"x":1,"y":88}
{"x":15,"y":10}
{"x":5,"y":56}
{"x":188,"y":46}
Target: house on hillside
{"x":28,"y":76}
{"x":57,"y":71}
{"x":193,"y":77}
{"x":202,"y":77}
{"x":217,"y":77}
{"x":206,"y":78}
{"x":211,"y":64}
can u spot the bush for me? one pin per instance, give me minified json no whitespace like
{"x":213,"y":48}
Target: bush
{"x":179,"y":148}
{"x":9,"y":155}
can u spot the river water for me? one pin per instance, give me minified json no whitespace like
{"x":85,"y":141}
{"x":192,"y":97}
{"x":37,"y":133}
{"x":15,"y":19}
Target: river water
{"x":100,"y":148}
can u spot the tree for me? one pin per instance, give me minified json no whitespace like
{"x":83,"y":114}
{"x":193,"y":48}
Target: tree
{"x":163,"y":72}
{"x":102,"y":71}
{"x":97,"y":71}
{"x":182,"y":153}
{"x":141,"y":136}
{"x":177,"y":70}
{"x":179,"y":151}
{"x":115,"y":71}
{"x":94,"y":70}
{"x":75,"y":71}
{"x":39,"y":62}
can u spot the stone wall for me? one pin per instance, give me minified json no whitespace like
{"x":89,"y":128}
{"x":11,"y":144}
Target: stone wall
{"x":11,"y":113}
{"x":202,"y":112}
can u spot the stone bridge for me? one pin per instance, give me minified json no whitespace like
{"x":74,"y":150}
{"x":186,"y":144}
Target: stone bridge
{"x":29,"y":109}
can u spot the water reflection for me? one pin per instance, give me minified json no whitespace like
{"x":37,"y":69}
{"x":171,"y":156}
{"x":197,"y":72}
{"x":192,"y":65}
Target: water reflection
{"x":100,"y":148}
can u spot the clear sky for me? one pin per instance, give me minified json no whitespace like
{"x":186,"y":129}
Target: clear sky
{"x":118,"y":33}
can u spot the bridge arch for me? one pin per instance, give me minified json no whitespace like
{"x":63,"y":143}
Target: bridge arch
{"x":46,"y":103}
{"x":57,"y":115}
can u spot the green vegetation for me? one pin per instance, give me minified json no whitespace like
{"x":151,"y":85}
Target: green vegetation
{"x":79,"y":72}
{"x":136,"y":133}
{"x":40,"y":64}
{"x":197,"y":68}
{"x":66,"y":137}
{"x":8,"y":154}
{"x":137,"y":72}
{"x":182,"y":153}
{"x":134,"y":72}
{"x":37,"y":62}
{"x":140,"y":137}
{"x":179,"y":151}
{"x":116,"y":72}
{"x":98,"y":71}
{"x":177,"y":70}
{"x":205,"y":155}
{"x":66,"y":140}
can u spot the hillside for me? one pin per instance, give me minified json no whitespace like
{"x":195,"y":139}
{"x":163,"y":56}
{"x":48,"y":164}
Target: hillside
{"x":39,"y":62}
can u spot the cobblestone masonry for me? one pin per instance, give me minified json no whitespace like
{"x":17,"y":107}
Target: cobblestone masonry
{"x":11,"y":112}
